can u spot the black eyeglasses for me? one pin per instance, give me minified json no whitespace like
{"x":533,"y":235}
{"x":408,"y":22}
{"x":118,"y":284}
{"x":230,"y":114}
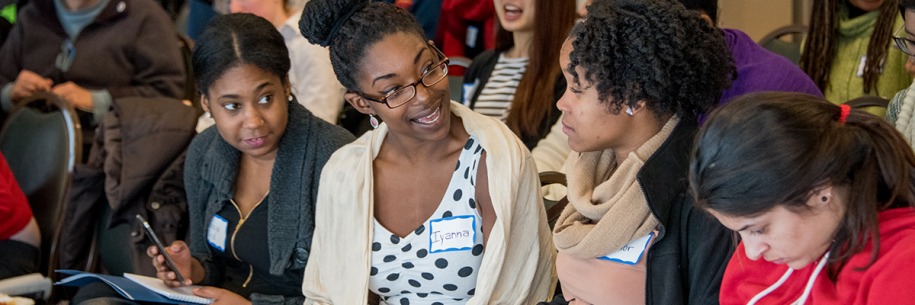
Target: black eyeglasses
{"x":402,"y":95}
{"x":905,"y":45}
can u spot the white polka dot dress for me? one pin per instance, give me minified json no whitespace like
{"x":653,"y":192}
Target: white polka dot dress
{"x":437,"y":263}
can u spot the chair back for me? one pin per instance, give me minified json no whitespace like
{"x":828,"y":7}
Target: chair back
{"x":41,"y":141}
{"x":789,"y":49}
{"x":456,"y":83}
{"x":553,"y":208}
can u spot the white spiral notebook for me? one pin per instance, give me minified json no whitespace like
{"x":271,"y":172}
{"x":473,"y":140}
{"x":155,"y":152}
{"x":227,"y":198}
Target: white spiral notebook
{"x":183,"y":294}
{"x":135,"y":287}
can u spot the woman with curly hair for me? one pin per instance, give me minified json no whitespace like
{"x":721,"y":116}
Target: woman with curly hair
{"x":824,"y":201}
{"x":520,"y":81}
{"x":638,"y":72}
{"x":436,"y":205}
{"x":848,"y":52}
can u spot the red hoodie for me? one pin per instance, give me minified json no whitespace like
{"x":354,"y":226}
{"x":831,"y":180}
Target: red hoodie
{"x":890,"y":280}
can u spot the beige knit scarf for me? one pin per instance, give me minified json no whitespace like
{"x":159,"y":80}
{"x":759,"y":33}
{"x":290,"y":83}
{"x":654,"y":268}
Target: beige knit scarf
{"x":608,"y":208}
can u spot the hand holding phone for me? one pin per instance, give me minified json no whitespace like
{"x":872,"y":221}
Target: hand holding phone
{"x":171,"y":267}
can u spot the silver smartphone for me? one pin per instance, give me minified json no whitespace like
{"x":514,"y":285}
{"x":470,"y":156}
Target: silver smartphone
{"x":168,"y":259}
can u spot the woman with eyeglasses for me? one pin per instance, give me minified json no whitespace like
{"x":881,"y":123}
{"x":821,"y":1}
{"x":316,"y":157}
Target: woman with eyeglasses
{"x":436,"y":205}
{"x":849,"y":53}
{"x":900,"y":111}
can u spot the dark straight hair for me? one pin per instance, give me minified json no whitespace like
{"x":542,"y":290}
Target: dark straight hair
{"x":820,"y":50}
{"x":773,"y":149}
{"x":231,"y":40}
{"x":534,"y":97}
{"x":906,"y":5}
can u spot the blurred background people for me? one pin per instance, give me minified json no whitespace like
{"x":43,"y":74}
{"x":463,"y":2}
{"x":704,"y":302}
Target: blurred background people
{"x":849,"y":52}
{"x":520,"y":81}
{"x":90,"y":52}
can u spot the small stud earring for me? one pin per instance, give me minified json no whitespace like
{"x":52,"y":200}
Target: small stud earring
{"x":824,"y":198}
{"x":290,"y":97}
{"x":208,"y":114}
{"x":373,"y":121}
{"x":629,"y":111}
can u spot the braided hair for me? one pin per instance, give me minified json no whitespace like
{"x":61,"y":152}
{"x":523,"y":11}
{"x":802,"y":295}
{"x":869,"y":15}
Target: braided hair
{"x":654,"y":51}
{"x":348,"y":42}
{"x":820,"y":49}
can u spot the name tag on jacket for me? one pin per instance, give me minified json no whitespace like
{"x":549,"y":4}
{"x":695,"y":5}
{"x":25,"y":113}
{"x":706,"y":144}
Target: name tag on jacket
{"x":631,"y":253}
{"x":452,"y":234}
{"x":216,"y":234}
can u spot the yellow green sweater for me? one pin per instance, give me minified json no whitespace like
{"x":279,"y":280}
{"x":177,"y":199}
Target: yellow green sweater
{"x":845,"y":83}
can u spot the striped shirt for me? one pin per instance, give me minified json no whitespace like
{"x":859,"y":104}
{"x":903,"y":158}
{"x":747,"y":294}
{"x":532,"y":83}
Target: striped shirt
{"x":499,"y":91}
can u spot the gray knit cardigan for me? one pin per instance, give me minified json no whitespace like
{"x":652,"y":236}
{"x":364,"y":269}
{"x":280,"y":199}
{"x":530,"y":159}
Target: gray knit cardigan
{"x":209,"y":177}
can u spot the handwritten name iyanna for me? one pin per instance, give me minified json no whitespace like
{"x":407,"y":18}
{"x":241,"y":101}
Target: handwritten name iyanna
{"x":439,"y":237}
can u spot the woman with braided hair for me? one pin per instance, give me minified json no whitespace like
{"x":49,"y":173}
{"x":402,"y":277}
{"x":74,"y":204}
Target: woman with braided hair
{"x":824,"y":201}
{"x":436,"y":205}
{"x":849,"y":53}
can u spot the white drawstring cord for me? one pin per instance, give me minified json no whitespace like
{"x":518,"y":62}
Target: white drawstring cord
{"x":812,"y":279}
{"x":771,"y":288}
{"x":784,"y":278}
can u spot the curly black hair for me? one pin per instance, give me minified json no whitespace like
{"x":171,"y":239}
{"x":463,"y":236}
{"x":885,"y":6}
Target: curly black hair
{"x":232,"y":39}
{"x":654,"y":51}
{"x":367,"y":26}
{"x":709,"y":7}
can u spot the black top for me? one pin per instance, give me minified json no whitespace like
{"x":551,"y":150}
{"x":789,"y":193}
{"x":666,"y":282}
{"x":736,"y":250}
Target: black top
{"x":687,"y":261}
{"x":244,"y":255}
{"x":480,"y":70}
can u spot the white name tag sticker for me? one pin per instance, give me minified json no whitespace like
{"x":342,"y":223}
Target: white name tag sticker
{"x":471,"y":39}
{"x":468,"y":89}
{"x":631,"y":253}
{"x":452,"y":234}
{"x":216,"y":234}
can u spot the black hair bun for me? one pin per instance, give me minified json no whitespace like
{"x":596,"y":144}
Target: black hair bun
{"x":319,"y":17}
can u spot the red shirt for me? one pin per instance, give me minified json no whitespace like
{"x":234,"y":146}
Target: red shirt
{"x":456,"y":16}
{"x":888,"y":281}
{"x":15,"y":212}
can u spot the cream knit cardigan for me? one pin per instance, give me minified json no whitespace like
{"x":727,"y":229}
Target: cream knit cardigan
{"x":517,"y":265}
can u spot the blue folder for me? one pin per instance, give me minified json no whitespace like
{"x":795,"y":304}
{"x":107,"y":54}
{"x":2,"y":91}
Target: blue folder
{"x":125,"y":287}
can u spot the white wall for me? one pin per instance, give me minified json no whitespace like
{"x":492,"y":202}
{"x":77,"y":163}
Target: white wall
{"x":758,"y":17}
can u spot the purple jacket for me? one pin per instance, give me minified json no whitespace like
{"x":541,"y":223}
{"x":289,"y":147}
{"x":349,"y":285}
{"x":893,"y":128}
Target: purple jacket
{"x":761,"y":70}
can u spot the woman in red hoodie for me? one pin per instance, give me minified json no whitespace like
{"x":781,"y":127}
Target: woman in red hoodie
{"x":824,"y":196}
